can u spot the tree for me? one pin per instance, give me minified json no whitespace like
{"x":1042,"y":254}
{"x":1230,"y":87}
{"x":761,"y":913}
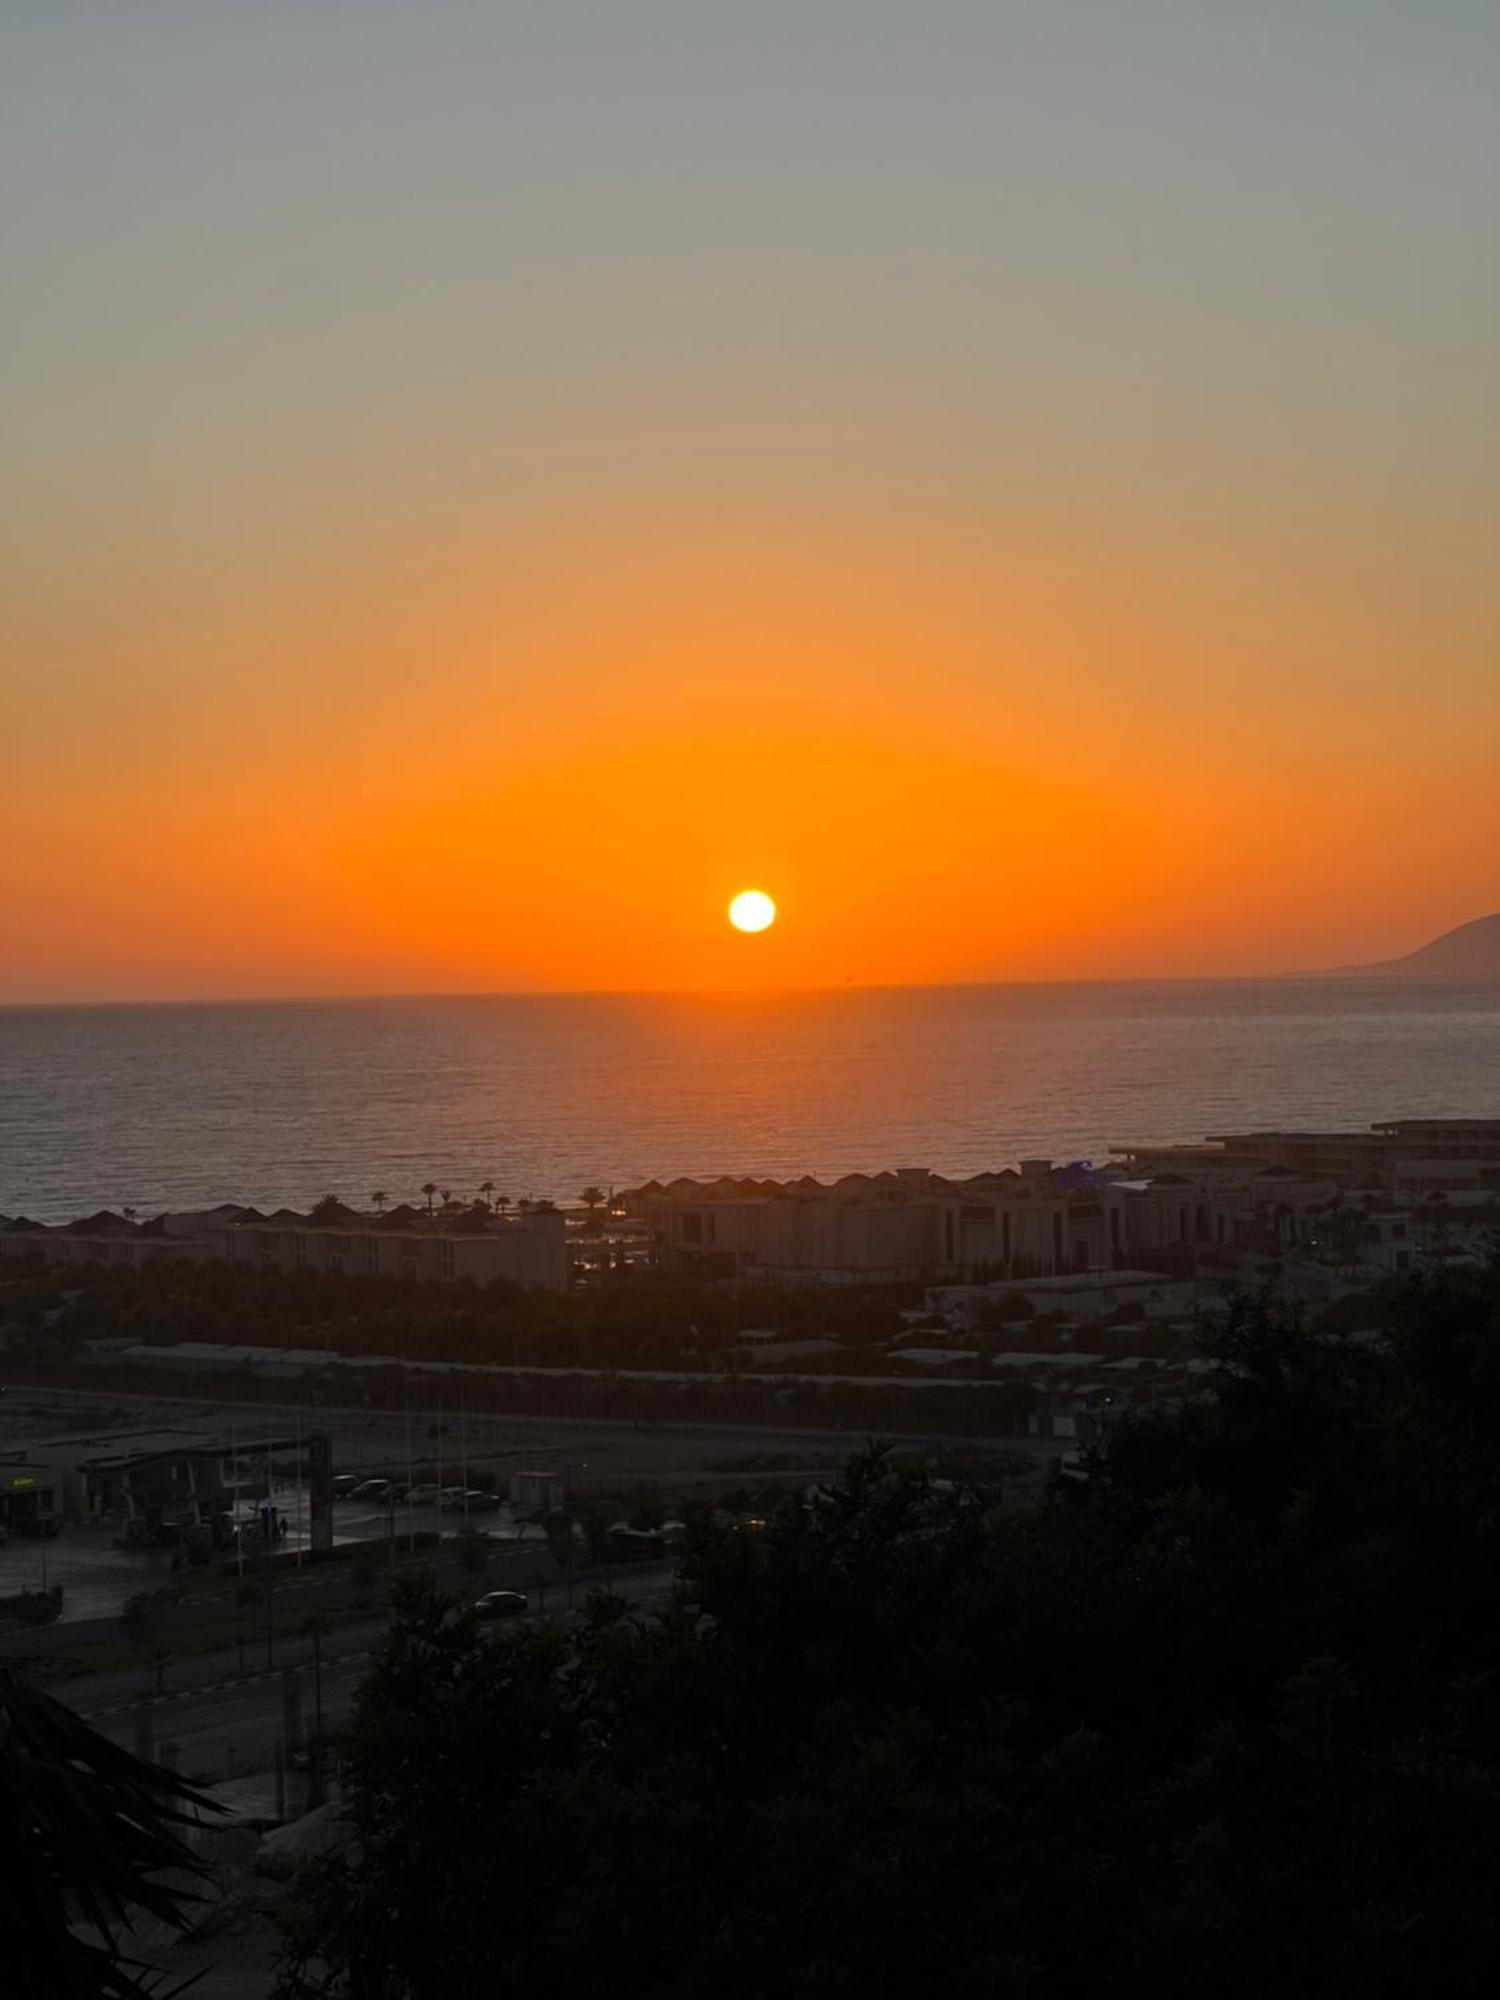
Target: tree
{"x":378,"y":1201}
{"x":1168,"y":1729}
{"x":142,"y":1620}
{"x":1436,"y":1221}
{"x":646,"y":1510}
{"x":473,"y":1551}
{"x":561,"y":1542}
{"x":487,"y":1189}
{"x":593,"y":1517}
{"x":502,"y":1203}
{"x":365,"y":1575}
{"x":86,"y":1832}
{"x":593,"y":1199}
{"x":429,"y":1188}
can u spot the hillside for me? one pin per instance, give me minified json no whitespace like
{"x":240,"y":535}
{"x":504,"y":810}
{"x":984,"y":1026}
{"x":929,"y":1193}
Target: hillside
{"x":1471,"y":951}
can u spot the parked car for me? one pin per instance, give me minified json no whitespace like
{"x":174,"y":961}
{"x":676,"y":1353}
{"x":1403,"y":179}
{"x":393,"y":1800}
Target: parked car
{"x":422,"y":1496}
{"x":502,"y":1604}
{"x":345,"y":1484}
{"x":371,"y":1489}
{"x":474,"y":1501}
{"x":481,"y":1502}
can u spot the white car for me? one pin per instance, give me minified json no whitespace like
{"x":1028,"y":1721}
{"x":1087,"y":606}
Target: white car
{"x":502,"y":1604}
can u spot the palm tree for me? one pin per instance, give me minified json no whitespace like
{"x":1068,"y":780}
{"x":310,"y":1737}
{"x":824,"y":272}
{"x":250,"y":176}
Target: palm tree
{"x":502,"y":1202}
{"x":377,"y":1202}
{"x":592,"y":1198}
{"x":487,"y":1188}
{"x":87,"y":1829}
{"x":429,"y":1188}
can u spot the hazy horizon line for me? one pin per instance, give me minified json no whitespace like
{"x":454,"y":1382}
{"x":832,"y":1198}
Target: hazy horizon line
{"x":1375,"y":970}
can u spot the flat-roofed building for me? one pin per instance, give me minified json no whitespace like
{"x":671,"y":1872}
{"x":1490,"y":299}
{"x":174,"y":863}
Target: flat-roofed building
{"x":150,"y":1473}
{"x":1355,"y":1161}
{"x":30,"y":1493}
{"x":914,"y":1225}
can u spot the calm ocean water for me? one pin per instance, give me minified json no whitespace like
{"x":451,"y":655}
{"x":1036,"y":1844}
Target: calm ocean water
{"x":167,"y":1106}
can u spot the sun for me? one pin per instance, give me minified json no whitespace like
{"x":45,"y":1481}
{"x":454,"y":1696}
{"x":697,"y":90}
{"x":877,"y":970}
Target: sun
{"x":752,"y":910}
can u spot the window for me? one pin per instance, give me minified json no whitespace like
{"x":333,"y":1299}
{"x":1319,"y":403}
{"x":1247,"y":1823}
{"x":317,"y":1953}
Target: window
{"x":692,"y":1227}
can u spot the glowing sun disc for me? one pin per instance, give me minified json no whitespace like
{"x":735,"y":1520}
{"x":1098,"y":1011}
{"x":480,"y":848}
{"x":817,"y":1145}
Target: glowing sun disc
{"x":752,"y":910}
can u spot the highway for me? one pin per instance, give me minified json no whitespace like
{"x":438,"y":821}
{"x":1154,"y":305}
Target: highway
{"x":226,"y":1726}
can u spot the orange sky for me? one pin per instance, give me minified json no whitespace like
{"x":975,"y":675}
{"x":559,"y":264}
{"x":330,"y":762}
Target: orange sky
{"x":456,"y":539}
{"x":549,"y":760}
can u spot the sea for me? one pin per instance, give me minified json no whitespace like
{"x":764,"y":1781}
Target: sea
{"x":178,"y":1106}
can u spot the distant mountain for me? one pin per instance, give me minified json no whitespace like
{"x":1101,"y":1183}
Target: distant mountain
{"x":1472,"y":951}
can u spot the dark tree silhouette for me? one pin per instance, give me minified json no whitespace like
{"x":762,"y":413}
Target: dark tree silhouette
{"x":1222,"y":1719}
{"x":86,"y":1831}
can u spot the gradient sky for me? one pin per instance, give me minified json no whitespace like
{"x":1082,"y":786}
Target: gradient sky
{"x":485,"y":482}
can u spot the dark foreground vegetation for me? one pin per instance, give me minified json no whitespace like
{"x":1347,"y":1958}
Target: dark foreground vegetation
{"x":1221,"y":1721}
{"x":633,"y":1319}
{"x":640,"y":1319}
{"x":93,"y":1843}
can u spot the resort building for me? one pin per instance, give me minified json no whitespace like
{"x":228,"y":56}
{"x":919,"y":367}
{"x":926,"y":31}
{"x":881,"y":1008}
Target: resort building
{"x":1040,"y":1221}
{"x":1166,"y":1207}
{"x":1401,"y":1152}
{"x":529,"y":1248}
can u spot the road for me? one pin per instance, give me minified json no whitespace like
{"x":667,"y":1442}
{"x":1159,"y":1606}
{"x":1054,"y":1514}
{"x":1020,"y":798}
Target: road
{"x":97,"y":1575}
{"x":225,"y":1726}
